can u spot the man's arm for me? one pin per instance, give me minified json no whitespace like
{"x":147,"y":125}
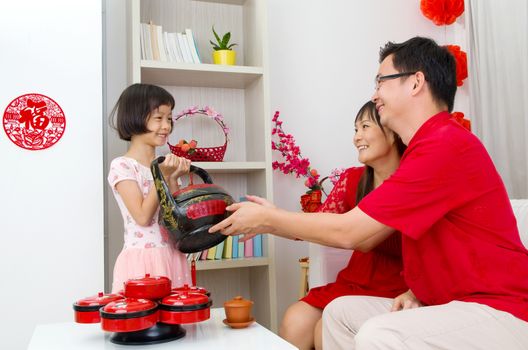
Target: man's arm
{"x":352,"y":230}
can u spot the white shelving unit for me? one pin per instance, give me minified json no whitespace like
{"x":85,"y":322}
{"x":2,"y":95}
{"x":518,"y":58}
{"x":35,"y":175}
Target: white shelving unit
{"x":240,"y":94}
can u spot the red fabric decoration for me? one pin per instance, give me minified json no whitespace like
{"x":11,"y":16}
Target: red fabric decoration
{"x":459,"y":117}
{"x":442,"y":11}
{"x":461,"y":63}
{"x":311,"y":201}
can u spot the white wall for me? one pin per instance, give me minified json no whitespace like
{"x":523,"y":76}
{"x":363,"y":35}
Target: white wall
{"x":52,"y":200}
{"x":323,"y":59}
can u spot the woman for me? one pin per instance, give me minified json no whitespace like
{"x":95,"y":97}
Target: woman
{"x":374,"y":273}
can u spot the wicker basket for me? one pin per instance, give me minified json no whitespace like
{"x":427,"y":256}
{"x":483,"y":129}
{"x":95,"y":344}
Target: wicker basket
{"x":203,"y":154}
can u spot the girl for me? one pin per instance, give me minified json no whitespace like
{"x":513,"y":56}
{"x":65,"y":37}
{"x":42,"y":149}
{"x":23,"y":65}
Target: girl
{"x":143,"y":116}
{"x":375,"y":273}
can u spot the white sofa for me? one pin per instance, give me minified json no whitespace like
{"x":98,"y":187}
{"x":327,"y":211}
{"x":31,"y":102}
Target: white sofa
{"x":326,"y":262}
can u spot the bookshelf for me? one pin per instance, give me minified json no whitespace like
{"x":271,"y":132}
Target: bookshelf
{"x":240,"y":94}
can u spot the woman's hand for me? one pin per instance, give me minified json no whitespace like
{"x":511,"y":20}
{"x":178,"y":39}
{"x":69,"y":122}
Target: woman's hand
{"x":405,"y":301}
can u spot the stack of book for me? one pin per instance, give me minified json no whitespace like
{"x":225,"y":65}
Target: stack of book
{"x":167,"y":47}
{"x":231,"y":248}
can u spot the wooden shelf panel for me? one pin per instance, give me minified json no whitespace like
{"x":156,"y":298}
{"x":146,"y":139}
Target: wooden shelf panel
{"x":204,"y":265}
{"x":201,"y":75}
{"x":231,"y":167}
{"x":228,"y":2}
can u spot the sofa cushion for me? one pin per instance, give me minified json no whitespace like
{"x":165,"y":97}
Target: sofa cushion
{"x":520,"y":209}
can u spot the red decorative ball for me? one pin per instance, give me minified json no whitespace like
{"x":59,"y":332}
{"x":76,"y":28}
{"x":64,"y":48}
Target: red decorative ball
{"x":442,"y":11}
{"x":459,"y":117}
{"x":461,"y":63}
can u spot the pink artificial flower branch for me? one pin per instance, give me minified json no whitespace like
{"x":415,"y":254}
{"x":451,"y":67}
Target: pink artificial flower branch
{"x":294,"y":162}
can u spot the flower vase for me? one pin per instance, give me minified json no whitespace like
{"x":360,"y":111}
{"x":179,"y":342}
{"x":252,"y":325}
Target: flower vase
{"x":311,"y":201}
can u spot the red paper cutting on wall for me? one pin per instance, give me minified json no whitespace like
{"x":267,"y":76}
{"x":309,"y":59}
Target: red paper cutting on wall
{"x":34,"y":121}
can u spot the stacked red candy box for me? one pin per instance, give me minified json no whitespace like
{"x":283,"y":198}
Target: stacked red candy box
{"x":144,"y":303}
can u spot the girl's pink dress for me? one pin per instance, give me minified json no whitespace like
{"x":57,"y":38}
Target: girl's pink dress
{"x":146,"y":249}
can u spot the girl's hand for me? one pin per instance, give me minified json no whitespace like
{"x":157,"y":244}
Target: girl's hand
{"x":173,"y":164}
{"x":405,"y":301}
{"x":183,"y":167}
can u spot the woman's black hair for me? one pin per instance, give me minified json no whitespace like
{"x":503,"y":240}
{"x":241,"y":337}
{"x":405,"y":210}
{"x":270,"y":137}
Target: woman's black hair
{"x":366,"y":181}
{"x":129,"y":115}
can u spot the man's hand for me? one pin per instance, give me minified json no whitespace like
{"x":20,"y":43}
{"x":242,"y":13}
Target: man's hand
{"x":405,"y":301}
{"x":248,"y":218}
{"x":262,"y":201}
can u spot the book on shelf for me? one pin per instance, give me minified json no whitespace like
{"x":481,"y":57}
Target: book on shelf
{"x":174,"y":47}
{"x":211,"y":253}
{"x":248,"y":248}
{"x":192,"y":46}
{"x":228,"y":248}
{"x":167,"y":47}
{"x":219,"y":250}
{"x":161,"y":44}
{"x":168,"y":51}
{"x":154,"y":41}
{"x":184,"y":46}
{"x":257,"y":245}
{"x":146,"y":44}
{"x":234,"y":252}
{"x":241,"y":248}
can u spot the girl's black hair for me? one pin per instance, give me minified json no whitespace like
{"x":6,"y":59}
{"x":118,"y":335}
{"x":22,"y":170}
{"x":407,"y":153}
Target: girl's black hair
{"x":129,"y":115}
{"x":366,"y":182}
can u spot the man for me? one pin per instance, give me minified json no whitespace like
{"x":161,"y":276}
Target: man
{"x":462,"y":253}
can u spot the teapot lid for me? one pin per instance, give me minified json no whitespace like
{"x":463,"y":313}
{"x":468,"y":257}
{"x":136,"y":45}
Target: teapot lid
{"x":238,"y":301}
{"x":129,"y":308}
{"x":198,"y":190}
{"x":99,"y":300}
{"x":148,"y":281}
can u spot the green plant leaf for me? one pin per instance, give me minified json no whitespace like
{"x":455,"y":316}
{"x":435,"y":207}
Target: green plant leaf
{"x":230,"y":46}
{"x":217,"y":38}
{"x":225,"y":40}
{"x":215,"y":46}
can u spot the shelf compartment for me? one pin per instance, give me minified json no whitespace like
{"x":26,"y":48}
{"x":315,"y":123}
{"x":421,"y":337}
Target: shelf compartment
{"x":227,"y":2}
{"x":200,"y":75}
{"x":205,"y":265}
{"x":231,"y":167}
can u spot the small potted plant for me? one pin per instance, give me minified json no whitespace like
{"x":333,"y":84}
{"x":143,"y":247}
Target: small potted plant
{"x":223,"y":54}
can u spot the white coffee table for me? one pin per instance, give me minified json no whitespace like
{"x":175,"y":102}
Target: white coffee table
{"x":207,"y":335}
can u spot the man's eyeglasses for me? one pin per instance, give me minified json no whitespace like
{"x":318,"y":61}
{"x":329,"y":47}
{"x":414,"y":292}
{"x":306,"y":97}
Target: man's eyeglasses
{"x":381,"y":78}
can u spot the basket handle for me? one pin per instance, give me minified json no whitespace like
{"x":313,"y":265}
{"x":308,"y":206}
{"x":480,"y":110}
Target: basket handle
{"x":220,"y":123}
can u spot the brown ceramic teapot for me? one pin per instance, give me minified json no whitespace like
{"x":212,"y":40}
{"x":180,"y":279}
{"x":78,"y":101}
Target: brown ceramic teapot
{"x":190,"y":212}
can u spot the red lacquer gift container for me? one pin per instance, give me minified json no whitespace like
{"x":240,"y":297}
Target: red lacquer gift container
{"x":129,"y":315}
{"x":87,"y":309}
{"x":185,"y":307}
{"x":148,"y":287}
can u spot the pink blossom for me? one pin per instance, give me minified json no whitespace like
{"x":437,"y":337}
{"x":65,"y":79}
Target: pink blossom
{"x":294,"y":163}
